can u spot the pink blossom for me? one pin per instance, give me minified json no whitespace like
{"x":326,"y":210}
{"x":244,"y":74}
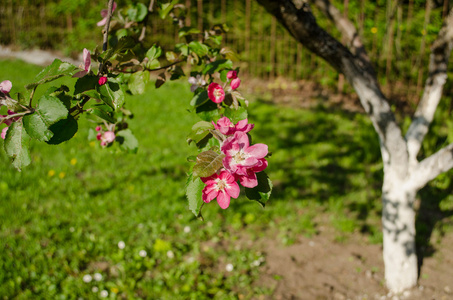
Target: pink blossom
{"x":102,"y":80}
{"x":232,"y":74}
{"x":249,"y":179}
{"x":3,"y":134}
{"x":216,"y":92}
{"x":235,"y":83}
{"x":196,"y":82}
{"x":5,"y":86}
{"x":107,"y":138}
{"x":86,"y":64}
{"x":222,"y":186}
{"x":241,"y":159}
{"x":98,"y":128}
{"x":226,"y":127}
{"x":104,"y":14}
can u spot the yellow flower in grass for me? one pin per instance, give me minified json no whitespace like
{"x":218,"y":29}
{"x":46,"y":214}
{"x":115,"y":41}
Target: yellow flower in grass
{"x":114,"y":290}
{"x":161,"y":246}
{"x":373,"y":30}
{"x":51,"y":173}
{"x":73,"y":161}
{"x":62,"y":175}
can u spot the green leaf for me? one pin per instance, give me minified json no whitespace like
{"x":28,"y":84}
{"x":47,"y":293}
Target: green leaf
{"x":262,"y":192}
{"x":229,"y":54}
{"x":217,"y":66}
{"x":183,"y":48}
{"x":153,"y":55}
{"x":63,"y":130}
{"x":49,"y":111}
{"x":16,"y":145}
{"x":137,"y":13}
{"x":199,"y":99}
{"x":112,"y":93}
{"x":236,"y":115}
{"x":199,"y":131}
{"x":161,"y":79}
{"x":137,"y":82}
{"x":171,"y":56}
{"x":93,"y":94}
{"x":208,"y":162}
{"x":86,"y":83}
{"x":102,"y":114}
{"x":194,"y":189}
{"x":208,"y":111}
{"x":187,"y":30}
{"x":56,"y":70}
{"x":128,"y":142}
{"x":154,"y":52}
{"x":165,"y":8}
{"x":199,"y":48}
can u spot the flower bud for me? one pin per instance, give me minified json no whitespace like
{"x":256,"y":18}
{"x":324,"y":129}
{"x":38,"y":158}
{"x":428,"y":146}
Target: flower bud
{"x":235,"y":83}
{"x":232,"y":74}
{"x":102,"y":80}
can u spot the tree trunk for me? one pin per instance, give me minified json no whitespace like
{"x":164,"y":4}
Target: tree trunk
{"x":404,"y":175}
{"x":398,"y":222}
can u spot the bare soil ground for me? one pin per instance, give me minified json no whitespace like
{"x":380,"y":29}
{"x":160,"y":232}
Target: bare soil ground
{"x":320,"y":268}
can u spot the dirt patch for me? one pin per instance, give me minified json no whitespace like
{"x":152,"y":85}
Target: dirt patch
{"x":320,"y":268}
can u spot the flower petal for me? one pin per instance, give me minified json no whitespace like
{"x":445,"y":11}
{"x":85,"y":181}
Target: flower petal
{"x":249,"y":180}
{"x":257,"y":150}
{"x":102,"y":22}
{"x":233,"y":190}
{"x":223,"y":199}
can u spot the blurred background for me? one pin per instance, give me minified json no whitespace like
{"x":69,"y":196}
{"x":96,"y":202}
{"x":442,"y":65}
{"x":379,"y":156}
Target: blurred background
{"x":86,"y":222}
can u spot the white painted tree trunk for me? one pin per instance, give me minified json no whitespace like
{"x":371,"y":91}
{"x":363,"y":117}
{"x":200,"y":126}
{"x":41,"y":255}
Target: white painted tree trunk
{"x":398,"y":222}
{"x":404,"y":175}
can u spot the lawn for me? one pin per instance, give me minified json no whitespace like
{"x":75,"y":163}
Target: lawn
{"x":87,"y":222}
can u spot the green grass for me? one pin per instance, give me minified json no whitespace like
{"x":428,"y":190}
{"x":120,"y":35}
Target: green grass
{"x":63,"y":216}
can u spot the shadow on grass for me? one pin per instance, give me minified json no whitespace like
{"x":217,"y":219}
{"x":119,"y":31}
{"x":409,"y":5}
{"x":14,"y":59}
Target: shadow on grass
{"x":320,"y":155}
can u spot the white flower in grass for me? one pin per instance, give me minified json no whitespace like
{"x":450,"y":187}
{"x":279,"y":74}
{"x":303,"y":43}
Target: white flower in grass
{"x":187,"y":229}
{"x":71,"y":229}
{"x":170,"y":254}
{"x":97,"y":276}
{"x":94,"y":289}
{"x":87,"y":278}
{"x":229,"y":267}
{"x":104,"y":294}
{"x":142,"y":253}
{"x":121,"y":245}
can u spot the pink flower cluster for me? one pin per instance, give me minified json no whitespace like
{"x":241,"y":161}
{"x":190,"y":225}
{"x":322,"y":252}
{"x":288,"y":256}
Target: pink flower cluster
{"x":241,"y":163}
{"x":217,"y":93}
{"x":106,"y":137}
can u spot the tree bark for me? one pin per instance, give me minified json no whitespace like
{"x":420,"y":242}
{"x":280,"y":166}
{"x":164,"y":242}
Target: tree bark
{"x":403,"y":174}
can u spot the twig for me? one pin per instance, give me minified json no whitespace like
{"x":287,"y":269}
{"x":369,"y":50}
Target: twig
{"x":107,"y":25}
{"x":145,"y":21}
{"x":157,"y":69}
{"x":105,"y":32}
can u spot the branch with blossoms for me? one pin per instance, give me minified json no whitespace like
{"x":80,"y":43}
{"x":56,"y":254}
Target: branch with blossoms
{"x":226,"y":159}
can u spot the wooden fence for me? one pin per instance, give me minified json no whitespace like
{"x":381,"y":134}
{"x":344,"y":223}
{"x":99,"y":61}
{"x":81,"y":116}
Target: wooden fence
{"x":265,"y":48}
